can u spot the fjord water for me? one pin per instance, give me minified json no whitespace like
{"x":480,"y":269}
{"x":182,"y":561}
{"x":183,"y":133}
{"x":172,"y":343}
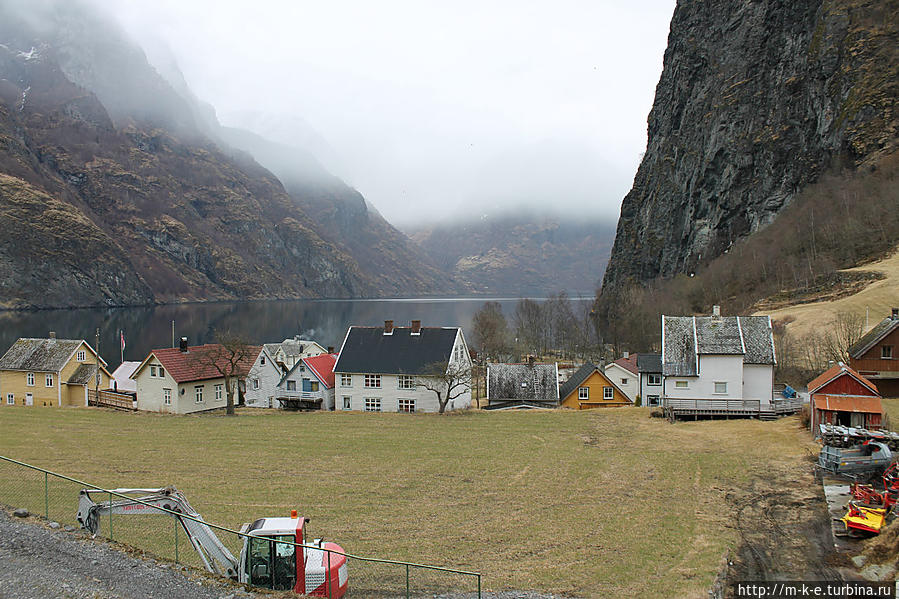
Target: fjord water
{"x":150,"y":327}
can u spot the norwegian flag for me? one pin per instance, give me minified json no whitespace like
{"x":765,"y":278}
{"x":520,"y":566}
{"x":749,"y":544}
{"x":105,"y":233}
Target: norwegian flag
{"x":122,"y":336}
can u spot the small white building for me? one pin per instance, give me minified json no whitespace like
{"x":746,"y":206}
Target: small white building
{"x":650,"y":368}
{"x":718,"y":364}
{"x":379,"y":369}
{"x":121,"y":378}
{"x":623,"y":372}
{"x":262,"y":381}
{"x":309,"y":385}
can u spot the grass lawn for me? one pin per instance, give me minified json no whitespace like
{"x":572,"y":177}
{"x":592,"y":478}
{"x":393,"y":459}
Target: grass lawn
{"x":605,"y":503}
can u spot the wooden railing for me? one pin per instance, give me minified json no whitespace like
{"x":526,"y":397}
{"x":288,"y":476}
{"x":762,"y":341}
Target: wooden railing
{"x":742,"y":406}
{"x":110,"y":399}
{"x":787,"y":406}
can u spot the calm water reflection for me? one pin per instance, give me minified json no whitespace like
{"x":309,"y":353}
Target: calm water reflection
{"x":147,"y":328}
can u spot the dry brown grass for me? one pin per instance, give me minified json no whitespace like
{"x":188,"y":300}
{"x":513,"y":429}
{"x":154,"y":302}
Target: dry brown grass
{"x":606,"y":503}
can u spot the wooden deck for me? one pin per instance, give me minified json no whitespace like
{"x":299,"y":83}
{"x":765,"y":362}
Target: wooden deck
{"x":739,"y":408}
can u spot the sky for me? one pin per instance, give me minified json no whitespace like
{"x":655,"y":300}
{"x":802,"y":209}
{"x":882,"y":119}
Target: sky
{"x":432,"y":110}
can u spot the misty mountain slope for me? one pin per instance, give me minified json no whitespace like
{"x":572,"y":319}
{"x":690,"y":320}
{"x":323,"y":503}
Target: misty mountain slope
{"x":521,"y":255}
{"x":756,"y":101}
{"x":168,"y":214}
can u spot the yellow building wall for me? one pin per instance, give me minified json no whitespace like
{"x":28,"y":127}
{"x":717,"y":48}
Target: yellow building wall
{"x":16,"y":382}
{"x":595,"y":383}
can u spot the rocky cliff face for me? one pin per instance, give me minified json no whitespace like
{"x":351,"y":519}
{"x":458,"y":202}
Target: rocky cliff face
{"x":756,"y":100}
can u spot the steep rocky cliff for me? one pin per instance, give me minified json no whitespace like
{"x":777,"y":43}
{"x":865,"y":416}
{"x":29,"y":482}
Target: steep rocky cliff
{"x":757,"y":99}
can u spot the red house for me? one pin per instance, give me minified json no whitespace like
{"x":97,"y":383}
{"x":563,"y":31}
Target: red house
{"x":876,"y":355}
{"x":842,"y":396}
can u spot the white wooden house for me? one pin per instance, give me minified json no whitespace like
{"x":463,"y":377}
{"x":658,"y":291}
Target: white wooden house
{"x":290,"y":351}
{"x":623,"y":372}
{"x":650,"y":368}
{"x":309,"y":385}
{"x":262,"y":381}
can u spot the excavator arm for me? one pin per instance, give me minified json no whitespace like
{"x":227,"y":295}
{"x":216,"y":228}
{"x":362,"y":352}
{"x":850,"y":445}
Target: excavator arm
{"x":215,"y":556}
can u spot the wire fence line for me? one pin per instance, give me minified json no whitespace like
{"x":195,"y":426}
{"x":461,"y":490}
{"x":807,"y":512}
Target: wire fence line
{"x":54,"y":495}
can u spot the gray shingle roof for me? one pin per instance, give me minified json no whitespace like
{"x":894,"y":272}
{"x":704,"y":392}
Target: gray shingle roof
{"x":758,"y":339}
{"x":686,"y":337}
{"x":580,"y":375}
{"x":369,"y":350}
{"x":649,"y":363}
{"x":872,"y":337}
{"x":83,"y":374}
{"x":42,"y":355}
{"x":718,"y":336}
{"x":522,"y":381}
{"x":678,"y":346}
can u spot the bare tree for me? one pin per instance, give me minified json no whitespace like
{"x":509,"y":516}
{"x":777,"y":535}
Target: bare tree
{"x":491,"y":332}
{"x":231,"y":356}
{"x":448,"y":380}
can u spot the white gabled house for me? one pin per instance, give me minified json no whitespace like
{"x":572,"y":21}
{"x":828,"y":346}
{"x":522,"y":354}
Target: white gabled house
{"x":650,"y":368}
{"x":262,"y":381}
{"x":623,"y":372}
{"x":380,"y":369}
{"x":290,"y":351}
{"x":309,"y":385}
{"x":718,"y":365}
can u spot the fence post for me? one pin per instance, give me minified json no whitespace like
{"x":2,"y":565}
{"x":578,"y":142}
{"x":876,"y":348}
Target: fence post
{"x":329,"y":573}
{"x":46,"y":498}
{"x":176,"y":541}
{"x":407,"y":581}
{"x":110,"y":516}
{"x":479,"y":586}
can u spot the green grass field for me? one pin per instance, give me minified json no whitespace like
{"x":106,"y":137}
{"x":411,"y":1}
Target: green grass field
{"x":608,"y":503}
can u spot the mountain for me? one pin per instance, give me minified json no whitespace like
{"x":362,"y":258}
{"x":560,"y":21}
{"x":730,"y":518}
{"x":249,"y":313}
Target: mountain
{"x":117,"y":189}
{"x":756,"y":101}
{"x":520,"y":255}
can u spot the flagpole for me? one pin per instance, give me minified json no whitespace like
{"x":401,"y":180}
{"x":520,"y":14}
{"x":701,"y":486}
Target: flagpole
{"x":122,"y":345}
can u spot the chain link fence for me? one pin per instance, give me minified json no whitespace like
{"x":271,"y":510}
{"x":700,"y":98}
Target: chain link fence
{"x":160,"y":532}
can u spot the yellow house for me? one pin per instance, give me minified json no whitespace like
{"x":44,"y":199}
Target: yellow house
{"x":589,"y":387}
{"x":49,"y":372}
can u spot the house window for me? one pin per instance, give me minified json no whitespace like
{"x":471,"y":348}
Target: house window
{"x":607,"y":393}
{"x":262,"y":360}
{"x":255,"y":384}
{"x":886,"y":352}
{"x":373,"y":381}
{"x":80,"y":355}
{"x":624,"y":381}
{"x":313,"y":386}
{"x":405,"y":405}
{"x":218,"y":392}
{"x":583,"y":392}
{"x":29,"y":379}
{"x":48,"y":380}
{"x":653,"y":400}
{"x":720,"y":387}
{"x":10,"y":399}
{"x":152,"y":370}
{"x":372,"y":404}
{"x":160,"y":371}
{"x":291,"y":385}
{"x":347,"y":402}
{"x":681,"y":385}
{"x":198,"y":393}
{"x":167,"y":397}
{"x":654,"y":380}
{"x":405,"y":381}
{"x":346,"y":380}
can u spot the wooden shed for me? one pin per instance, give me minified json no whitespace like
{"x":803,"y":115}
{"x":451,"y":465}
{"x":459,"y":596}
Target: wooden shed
{"x":842,"y":396}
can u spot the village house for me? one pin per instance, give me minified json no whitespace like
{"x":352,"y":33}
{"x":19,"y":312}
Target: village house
{"x":385,"y":369}
{"x":309,"y":385}
{"x":842,"y":396}
{"x":625,"y":374}
{"x":290,"y":351}
{"x":522,"y":386}
{"x":718,"y":365}
{"x":50,"y":372}
{"x":590,"y":387}
{"x":650,"y":368}
{"x":262,"y":380}
{"x":876,"y":355}
{"x":183,"y":380}
{"x":121,"y":378}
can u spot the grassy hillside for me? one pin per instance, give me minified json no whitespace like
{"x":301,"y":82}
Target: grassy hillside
{"x":604,"y":504}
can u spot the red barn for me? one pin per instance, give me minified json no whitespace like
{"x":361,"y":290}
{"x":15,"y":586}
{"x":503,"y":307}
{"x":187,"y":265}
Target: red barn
{"x":876,"y":355}
{"x":842,"y":396}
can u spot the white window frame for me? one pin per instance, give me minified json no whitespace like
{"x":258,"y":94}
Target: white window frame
{"x":198,"y":393}
{"x":347,"y":402}
{"x":405,"y":381}
{"x":371,"y":403}
{"x":29,"y":379}
{"x":10,"y":399}
{"x":608,"y":393}
{"x":653,"y":377}
{"x":681,"y":384}
{"x":346,"y":380}
{"x":219,"y":392}
{"x":624,"y":381}
{"x":289,"y":381}
{"x":372,"y":381}
{"x":167,"y":397}
{"x":886,"y":352}
{"x":583,"y":392}
{"x":721,"y":391}
{"x":48,"y":380}
{"x":255,"y":384}
{"x":153,"y":370}
{"x":160,"y":371}
{"x":653,"y":400}
{"x":405,"y":405}
{"x":80,"y":356}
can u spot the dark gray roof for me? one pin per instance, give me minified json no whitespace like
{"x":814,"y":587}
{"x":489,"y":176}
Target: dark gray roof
{"x":718,"y":336}
{"x":758,"y":337}
{"x":580,"y":375}
{"x":522,"y":381}
{"x":678,"y":346}
{"x":83,"y":374}
{"x":46,"y":355}
{"x":369,"y":350}
{"x":649,"y":363}
{"x":872,"y":337}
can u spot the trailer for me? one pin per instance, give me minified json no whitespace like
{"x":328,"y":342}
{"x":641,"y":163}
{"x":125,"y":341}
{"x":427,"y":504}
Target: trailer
{"x":866,"y":458}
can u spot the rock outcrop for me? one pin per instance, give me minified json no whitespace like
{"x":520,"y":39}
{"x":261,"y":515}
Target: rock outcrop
{"x":756,"y":100}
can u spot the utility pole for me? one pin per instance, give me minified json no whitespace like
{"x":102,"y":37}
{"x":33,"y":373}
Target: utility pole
{"x":97,"y":377}
{"x":173,"y":334}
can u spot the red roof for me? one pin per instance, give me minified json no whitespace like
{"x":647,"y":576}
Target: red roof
{"x":629,"y":363}
{"x":848,"y":403}
{"x":835,"y":371}
{"x":192,"y":365}
{"x":323,"y":367}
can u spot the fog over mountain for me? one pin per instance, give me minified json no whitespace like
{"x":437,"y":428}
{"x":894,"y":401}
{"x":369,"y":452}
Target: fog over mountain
{"x":429,"y":110}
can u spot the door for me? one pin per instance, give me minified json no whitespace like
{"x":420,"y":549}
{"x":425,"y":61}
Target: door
{"x":29,"y":399}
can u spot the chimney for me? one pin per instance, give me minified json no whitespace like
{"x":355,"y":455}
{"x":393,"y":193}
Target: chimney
{"x":532,"y":360}
{"x":52,"y":336}
{"x":183,"y":345}
{"x":330,"y":349}
{"x":716,"y":311}
{"x":895,"y":314}
{"x":416,"y":327}
{"x":388,"y":327}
